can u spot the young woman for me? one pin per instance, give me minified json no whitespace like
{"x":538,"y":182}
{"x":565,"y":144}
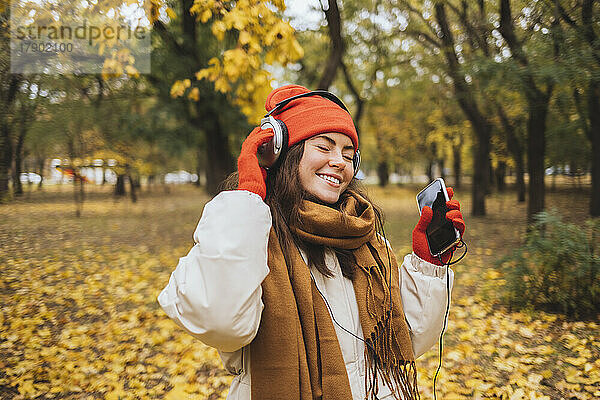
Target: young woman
{"x":291,"y":280}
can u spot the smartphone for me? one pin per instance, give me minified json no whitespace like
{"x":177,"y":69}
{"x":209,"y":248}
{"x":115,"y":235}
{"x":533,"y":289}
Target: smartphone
{"x":441,"y":234}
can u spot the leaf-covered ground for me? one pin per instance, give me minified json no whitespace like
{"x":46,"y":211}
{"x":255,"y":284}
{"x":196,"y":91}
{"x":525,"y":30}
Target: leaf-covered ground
{"x":79,"y":317}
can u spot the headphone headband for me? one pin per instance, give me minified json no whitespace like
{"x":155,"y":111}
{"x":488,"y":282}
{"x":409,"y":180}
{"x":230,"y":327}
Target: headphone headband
{"x":323,"y":93}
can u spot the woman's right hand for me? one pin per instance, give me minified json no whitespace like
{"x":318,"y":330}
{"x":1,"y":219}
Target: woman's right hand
{"x":251,"y":175}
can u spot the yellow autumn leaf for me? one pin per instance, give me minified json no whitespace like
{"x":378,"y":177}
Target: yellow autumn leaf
{"x":218,"y":29}
{"x":177,"y":89}
{"x":194,"y":94}
{"x":576,"y":361}
{"x":177,"y":393}
{"x":534,"y":378}
{"x":518,"y":394}
{"x":244,"y":37}
{"x":547,"y":374}
{"x":132,"y":71}
{"x":544,"y":350}
{"x":203,"y":73}
{"x":222,"y":85}
{"x":171,"y":13}
{"x":572,"y":375}
{"x":526,"y":332}
{"x":205,"y":15}
{"x":27,"y":387}
{"x":492,"y":274}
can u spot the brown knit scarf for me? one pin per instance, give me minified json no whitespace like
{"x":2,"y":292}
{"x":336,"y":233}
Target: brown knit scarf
{"x":296,"y":354}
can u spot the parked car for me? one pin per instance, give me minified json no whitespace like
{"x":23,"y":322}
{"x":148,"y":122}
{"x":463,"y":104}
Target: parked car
{"x":180,"y":177}
{"x":32,"y":177}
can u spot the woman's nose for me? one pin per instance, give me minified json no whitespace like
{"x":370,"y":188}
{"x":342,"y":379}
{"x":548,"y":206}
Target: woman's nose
{"x":337,"y":160}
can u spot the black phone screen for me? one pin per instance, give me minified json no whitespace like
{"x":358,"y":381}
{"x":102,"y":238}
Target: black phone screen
{"x":440,"y":232}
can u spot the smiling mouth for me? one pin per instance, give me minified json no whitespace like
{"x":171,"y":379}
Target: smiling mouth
{"x":329,"y":179}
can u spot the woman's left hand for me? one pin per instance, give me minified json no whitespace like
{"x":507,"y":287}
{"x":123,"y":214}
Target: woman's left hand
{"x":420,"y":246}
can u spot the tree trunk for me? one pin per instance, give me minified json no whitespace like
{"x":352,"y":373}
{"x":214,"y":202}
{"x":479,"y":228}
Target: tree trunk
{"x":120,"y":185}
{"x":429,"y":171}
{"x":383,"y":173}
{"x":6,"y":144}
{"x":537,"y":102}
{"x":219,"y":162}
{"x":456,"y":165}
{"x":29,"y":180}
{"x":40,"y":170}
{"x":594,"y":136}
{"x":468,"y":103}
{"x":334,"y":24}
{"x":24,"y":116}
{"x":78,"y":193}
{"x":16,"y":173}
{"x":513,"y":144}
{"x":6,"y":157}
{"x":480,"y":168}
{"x":18,"y":159}
{"x":199,"y":166}
{"x":573,"y":173}
{"x":441,"y":166}
{"x":521,"y":188}
{"x":588,"y":29}
{"x":536,"y":147}
{"x":491,"y":179}
{"x":151,"y":180}
{"x":132,"y":187}
{"x":500,"y":174}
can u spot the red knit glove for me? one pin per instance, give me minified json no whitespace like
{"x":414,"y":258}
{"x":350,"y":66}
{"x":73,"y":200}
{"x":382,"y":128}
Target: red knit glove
{"x":420,"y":246}
{"x":251,"y":175}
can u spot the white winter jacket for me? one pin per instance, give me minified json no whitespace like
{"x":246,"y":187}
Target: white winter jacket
{"x":215,"y":292}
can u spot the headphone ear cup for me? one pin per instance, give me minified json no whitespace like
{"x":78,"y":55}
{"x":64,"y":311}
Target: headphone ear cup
{"x":356,"y":161}
{"x":270,"y":153}
{"x":283,"y":131}
{"x":284,"y":140}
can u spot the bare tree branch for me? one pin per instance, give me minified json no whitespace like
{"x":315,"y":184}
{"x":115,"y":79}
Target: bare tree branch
{"x":423,"y":37}
{"x":420,"y":15}
{"x":170,"y":40}
{"x":473,"y":35}
{"x":359,"y":100}
{"x":334,"y":23}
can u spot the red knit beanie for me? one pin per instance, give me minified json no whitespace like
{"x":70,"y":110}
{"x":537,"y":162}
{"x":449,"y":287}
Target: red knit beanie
{"x":308,"y":116}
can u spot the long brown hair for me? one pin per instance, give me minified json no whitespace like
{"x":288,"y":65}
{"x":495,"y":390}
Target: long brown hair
{"x":284,"y":197}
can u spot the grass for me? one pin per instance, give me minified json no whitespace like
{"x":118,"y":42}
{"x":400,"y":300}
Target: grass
{"x":80,"y":320}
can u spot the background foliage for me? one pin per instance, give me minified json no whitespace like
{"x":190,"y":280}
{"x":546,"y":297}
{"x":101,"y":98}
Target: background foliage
{"x":557,"y":269}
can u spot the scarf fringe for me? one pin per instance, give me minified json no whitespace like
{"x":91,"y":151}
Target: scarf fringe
{"x":399,"y":376}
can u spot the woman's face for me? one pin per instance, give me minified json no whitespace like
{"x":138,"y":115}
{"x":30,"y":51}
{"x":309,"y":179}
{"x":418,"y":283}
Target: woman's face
{"x":326,"y":166}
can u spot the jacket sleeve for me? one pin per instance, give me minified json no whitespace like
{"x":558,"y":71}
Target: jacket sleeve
{"x":425,"y":295}
{"x":215,"y":291}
